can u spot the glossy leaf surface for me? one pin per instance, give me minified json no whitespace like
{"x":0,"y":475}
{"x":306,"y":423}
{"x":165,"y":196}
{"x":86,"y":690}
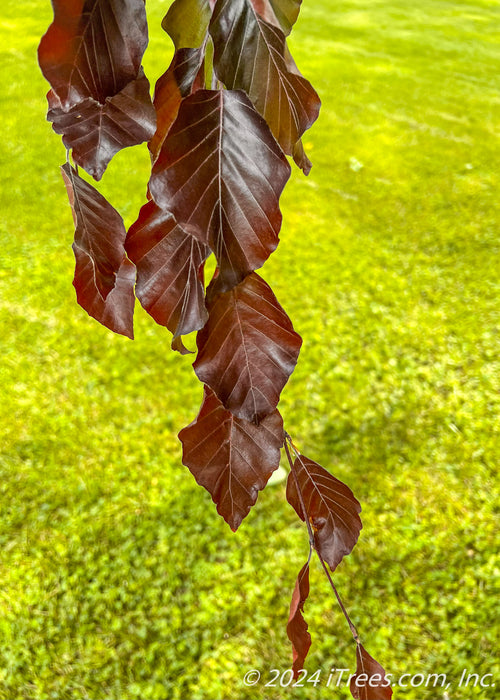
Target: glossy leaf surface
{"x":218,"y":170}
{"x":168,"y":261}
{"x":247,"y":48}
{"x":116,"y":312}
{"x":369,"y":682}
{"x":248,"y":349}
{"x":331,"y":507}
{"x":220,"y":173}
{"x":297,"y":628}
{"x":99,"y":229}
{"x":232,"y":458}
{"x":93,"y":48}
{"x":97,"y":131}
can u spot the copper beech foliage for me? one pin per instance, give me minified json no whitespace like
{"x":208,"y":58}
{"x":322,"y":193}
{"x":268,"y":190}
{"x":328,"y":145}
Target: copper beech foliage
{"x":297,"y":628}
{"x":369,"y":682}
{"x":225,"y":115}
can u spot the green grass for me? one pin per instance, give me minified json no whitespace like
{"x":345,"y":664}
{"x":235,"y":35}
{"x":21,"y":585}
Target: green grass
{"x":117,"y":578}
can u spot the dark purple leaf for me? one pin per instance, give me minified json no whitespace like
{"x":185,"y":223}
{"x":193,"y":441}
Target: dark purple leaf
{"x":168,"y":261}
{"x":331,"y":507}
{"x":99,"y":229}
{"x":117,"y":311}
{"x":93,"y":48}
{"x":232,"y":458}
{"x":97,"y":131}
{"x":369,"y":682}
{"x":220,"y":173}
{"x":184,"y":76}
{"x":251,"y":54}
{"x":248,"y":349}
{"x":297,"y":627}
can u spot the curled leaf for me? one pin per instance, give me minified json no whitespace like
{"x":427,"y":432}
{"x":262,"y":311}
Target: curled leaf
{"x":168,"y":261}
{"x":116,"y":312}
{"x":99,"y":229}
{"x":97,"y":131}
{"x":301,"y":159}
{"x":297,"y":628}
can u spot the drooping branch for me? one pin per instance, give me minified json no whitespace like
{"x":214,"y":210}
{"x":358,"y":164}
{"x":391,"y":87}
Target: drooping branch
{"x":226,"y":113}
{"x":308,"y":495}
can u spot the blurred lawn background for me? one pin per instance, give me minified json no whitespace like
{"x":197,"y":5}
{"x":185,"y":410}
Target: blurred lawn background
{"x":117,"y":578}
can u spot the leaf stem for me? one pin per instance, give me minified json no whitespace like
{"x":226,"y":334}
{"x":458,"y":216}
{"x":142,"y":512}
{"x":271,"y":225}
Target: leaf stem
{"x":288,"y":440}
{"x":299,"y":492}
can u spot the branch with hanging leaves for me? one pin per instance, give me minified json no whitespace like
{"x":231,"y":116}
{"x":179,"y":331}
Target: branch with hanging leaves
{"x":225,"y":115}
{"x":331,"y":513}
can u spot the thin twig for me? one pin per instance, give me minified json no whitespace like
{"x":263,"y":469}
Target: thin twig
{"x":299,"y":492}
{"x":312,"y":544}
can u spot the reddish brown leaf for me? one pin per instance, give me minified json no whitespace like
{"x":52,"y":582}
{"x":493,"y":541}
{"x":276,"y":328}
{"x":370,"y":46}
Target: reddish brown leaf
{"x":99,"y":229}
{"x":93,"y":48}
{"x":369,"y":682}
{"x":296,"y":628}
{"x":331,"y":507}
{"x":184,"y":76}
{"x":247,"y":47}
{"x":220,"y":173}
{"x":248,"y":349}
{"x":232,"y":458}
{"x":168,"y":260}
{"x":117,"y":311}
{"x":96,"y":132}
{"x":186,"y":22}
